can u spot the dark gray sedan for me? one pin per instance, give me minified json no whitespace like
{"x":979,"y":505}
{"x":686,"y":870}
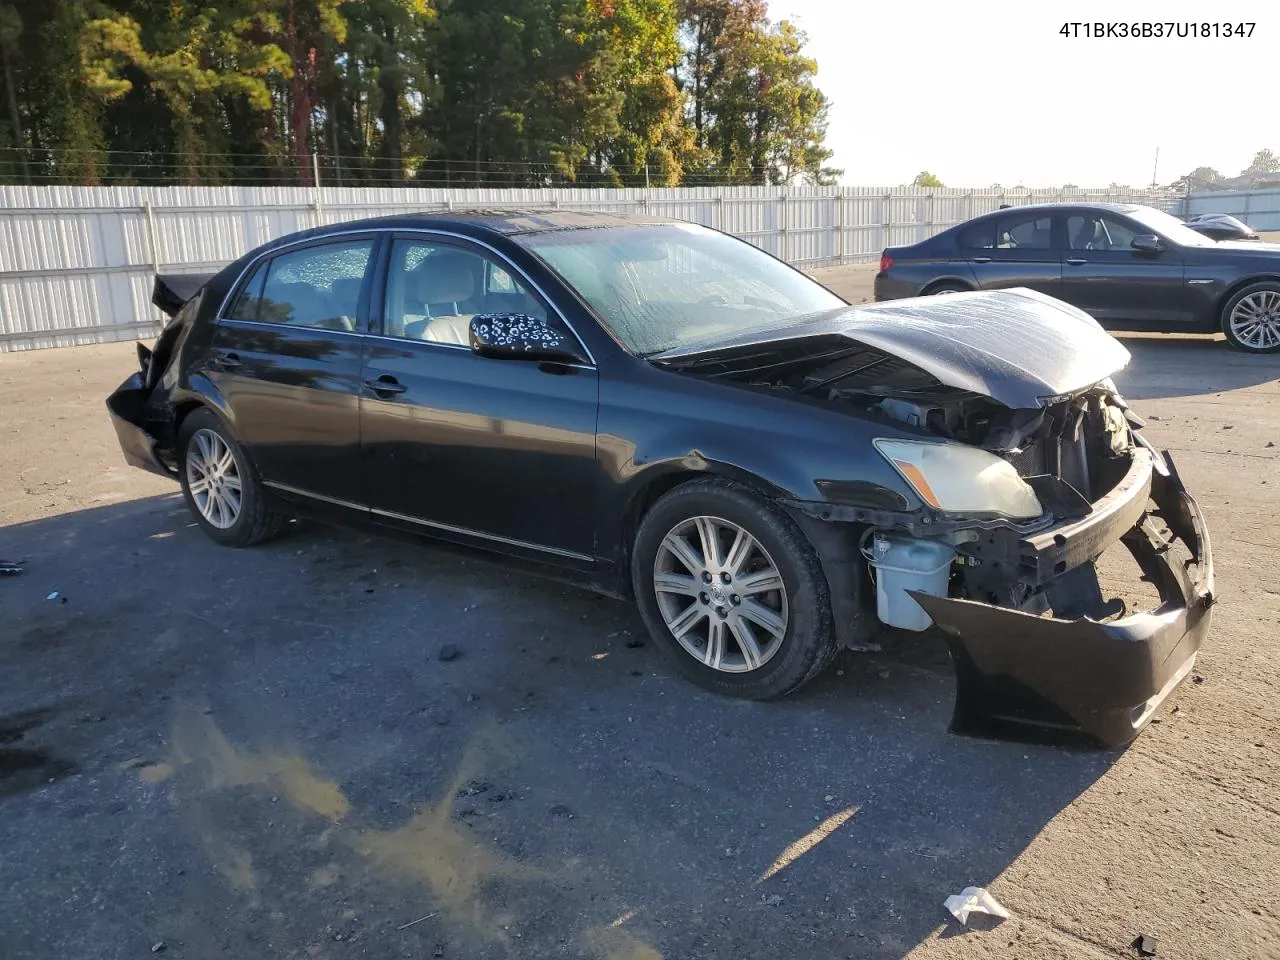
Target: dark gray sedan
{"x":1131,"y":267}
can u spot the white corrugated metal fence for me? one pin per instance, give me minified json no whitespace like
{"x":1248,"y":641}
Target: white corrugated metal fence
{"x":76,"y":263}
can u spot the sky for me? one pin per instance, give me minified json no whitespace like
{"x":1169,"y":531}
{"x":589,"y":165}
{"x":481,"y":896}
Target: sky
{"x":988,"y":91}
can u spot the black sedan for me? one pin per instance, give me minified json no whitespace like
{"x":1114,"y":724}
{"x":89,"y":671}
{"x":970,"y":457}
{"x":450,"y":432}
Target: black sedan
{"x":1130,"y":267}
{"x":1221,"y":226}
{"x":672,"y":415}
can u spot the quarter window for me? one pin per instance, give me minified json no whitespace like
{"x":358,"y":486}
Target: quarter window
{"x":314,"y":287}
{"x":434,"y":289}
{"x":246,"y":303}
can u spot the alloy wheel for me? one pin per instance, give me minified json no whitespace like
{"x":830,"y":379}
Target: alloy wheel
{"x":720,"y":594}
{"x":213,"y":479}
{"x":1255,"y":320}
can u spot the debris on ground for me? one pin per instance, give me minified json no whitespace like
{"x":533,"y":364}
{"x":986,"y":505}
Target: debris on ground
{"x":11,"y":568}
{"x":57,"y":597}
{"x":974,"y":900}
{"x":405,"y":926}
{"x":449,"y":652}
{"x":560,"y":810}
{"x":473,"y":788}
{"x":1146,"y":945}
{"x":772,"y":900}
{"x":158,"y":946}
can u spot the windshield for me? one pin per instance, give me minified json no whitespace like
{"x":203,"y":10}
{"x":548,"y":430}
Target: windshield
{"x":1169,"y":227}
{"x":662,"y":286}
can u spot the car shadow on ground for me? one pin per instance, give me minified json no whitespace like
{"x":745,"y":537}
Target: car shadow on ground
{"x":1181,"y":366}
{"x":333,"y":735}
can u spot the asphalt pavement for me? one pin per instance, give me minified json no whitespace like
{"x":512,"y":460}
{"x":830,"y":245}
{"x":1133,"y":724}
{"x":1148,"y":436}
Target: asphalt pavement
{"x":207,"y":752}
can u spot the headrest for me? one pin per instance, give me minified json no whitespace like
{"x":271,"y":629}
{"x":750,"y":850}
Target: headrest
{"x":448,"y":277}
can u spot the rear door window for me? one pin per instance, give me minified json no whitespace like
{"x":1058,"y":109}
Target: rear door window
{"x":978,"y":236}
{"x":1026,"y":232}
{"x":317,"y":286}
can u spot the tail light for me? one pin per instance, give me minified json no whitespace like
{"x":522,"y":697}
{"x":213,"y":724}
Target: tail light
{"x":886,"y":262}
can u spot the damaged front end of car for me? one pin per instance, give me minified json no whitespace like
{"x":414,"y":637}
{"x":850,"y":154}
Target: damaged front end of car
{"x":1027,"y":466}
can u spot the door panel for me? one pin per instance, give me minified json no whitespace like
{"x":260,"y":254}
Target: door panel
{"x":294,"y":394}
{"x":1021,"y":250}
{"x":1104,"y":276}
{"x":467,"y":444}
{"x":505,"y":448}
{"x":287,"y":359}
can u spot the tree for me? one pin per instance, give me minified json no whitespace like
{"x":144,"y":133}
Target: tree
{"x":1264,"y":161}
{"x":756,"y":114}
{"x":469,"y":91}
{"x":1202,"y":175}
{"x":926,"y":179}
{"x":381,"y":81}
{"x":193,"y":59}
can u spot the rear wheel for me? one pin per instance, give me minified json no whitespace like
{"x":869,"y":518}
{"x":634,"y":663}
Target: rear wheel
{"x":732,"y":589}
{"x":1251,"y":318}
{"x":947,"y":286}
{"x":220,"y":487}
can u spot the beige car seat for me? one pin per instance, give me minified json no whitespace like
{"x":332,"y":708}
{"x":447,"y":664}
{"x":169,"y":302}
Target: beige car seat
{"x":447,"y":284}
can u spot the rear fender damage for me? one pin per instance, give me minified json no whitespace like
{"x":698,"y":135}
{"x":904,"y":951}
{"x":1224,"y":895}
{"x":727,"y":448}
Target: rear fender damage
{"x":136,"y":428}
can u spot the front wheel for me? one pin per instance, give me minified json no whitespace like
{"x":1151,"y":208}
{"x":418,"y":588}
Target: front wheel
{"x":220,"y":486}
{"x":732,"y":589}
{"x":1251,"y":318}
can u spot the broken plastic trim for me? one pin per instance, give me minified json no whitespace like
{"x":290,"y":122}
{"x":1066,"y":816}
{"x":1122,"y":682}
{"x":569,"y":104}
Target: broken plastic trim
{"x":1103,"y":680}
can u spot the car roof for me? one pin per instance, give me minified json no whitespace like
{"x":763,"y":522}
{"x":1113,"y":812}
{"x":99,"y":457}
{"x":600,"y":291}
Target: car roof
{"x":1068,"y":205}
{"x":512,"y":221}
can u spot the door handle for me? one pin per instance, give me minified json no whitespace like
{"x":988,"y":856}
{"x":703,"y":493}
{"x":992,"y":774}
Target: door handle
{"x":228,"y":361}
{"x":1076,"y":261}
{"x":385,"y":384}
{"x":980,"y":260}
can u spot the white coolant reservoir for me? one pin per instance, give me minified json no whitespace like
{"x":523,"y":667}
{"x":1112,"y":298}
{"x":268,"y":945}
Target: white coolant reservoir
{"x":905,"y":563}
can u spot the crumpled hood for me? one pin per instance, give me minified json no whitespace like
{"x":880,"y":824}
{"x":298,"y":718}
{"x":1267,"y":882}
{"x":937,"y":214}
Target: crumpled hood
{"x":1019,"y":347}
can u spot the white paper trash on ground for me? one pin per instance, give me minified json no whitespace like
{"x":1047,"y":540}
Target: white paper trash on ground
{"x":974,"y":900}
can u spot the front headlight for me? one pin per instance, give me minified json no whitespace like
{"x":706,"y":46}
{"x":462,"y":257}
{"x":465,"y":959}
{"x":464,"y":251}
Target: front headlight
{"x":956,"y":478}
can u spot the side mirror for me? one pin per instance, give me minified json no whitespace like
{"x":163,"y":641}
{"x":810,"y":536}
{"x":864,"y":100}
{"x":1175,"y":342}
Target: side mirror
{"x":1146,"y":243}
{"x":518,"y":336}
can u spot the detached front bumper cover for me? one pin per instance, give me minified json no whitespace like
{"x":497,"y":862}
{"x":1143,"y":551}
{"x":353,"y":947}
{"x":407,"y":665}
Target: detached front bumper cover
{"x":1103,"y":679}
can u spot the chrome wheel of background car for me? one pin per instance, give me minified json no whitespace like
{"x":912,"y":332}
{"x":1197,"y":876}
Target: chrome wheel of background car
{"x":1255,"y":320}
{"x":213,"y":479}
{"x":720,"y":594}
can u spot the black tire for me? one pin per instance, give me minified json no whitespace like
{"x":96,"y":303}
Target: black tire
{"x":808,"y":643}
{"x":946,"y":286}
{"x":1262,"y":287}
{"x":257,"y":520}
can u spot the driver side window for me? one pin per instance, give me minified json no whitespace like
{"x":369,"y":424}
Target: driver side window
{"x":434,"y":290}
